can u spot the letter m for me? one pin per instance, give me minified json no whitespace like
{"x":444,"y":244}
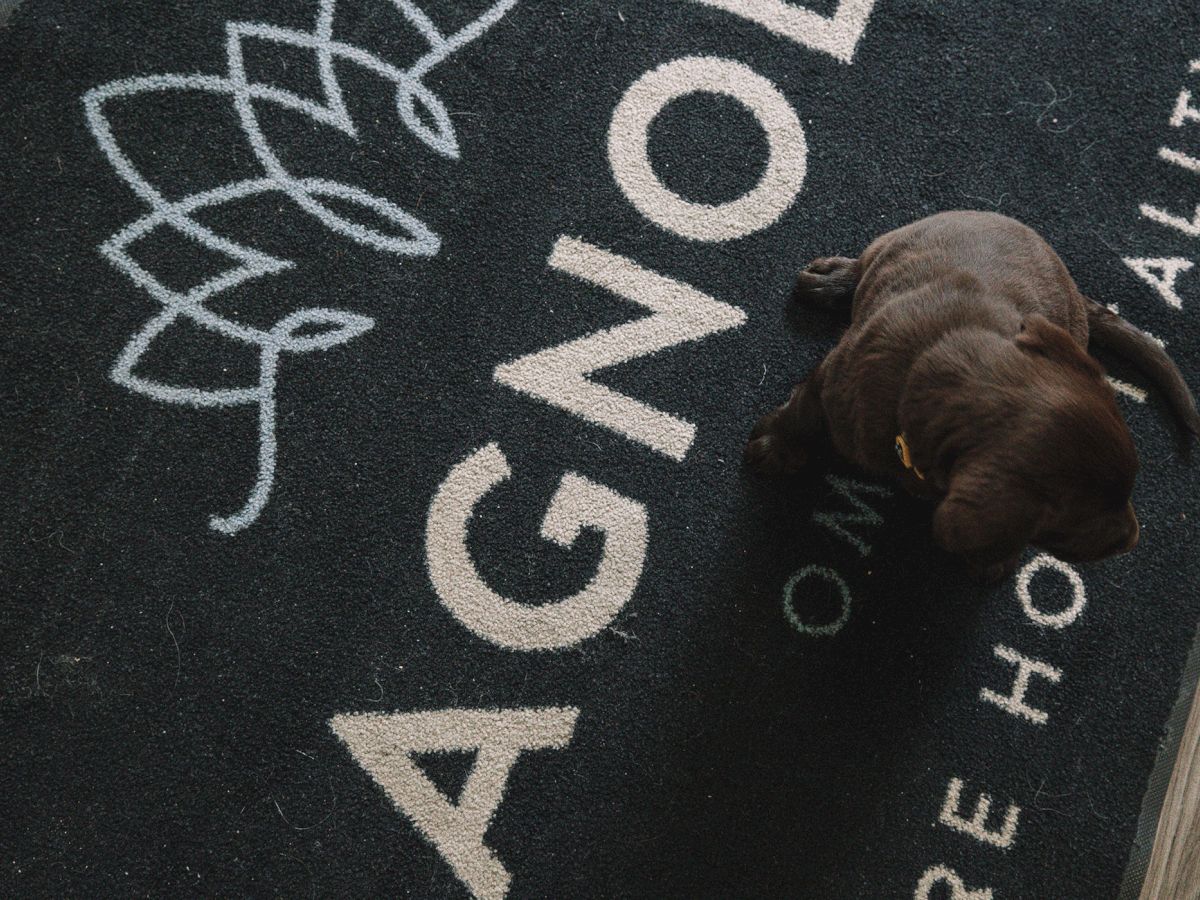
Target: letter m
{"x":839,"y":522}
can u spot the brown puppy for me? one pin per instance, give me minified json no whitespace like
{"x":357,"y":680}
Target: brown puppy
{"x":964,"y":373}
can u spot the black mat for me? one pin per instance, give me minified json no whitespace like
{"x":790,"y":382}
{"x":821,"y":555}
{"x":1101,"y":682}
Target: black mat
{"x":267,"y":589}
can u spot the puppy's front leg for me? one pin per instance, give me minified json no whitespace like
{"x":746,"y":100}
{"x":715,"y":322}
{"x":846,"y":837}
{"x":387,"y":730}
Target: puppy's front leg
{"x":782,"y":440}
{"x":828,"y":283}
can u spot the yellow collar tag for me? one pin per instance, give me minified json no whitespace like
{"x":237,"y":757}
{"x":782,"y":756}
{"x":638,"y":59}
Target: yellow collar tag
{"x":905,"y":454}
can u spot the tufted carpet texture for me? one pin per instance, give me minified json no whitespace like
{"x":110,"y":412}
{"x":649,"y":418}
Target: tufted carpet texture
{"x":375,"y":378}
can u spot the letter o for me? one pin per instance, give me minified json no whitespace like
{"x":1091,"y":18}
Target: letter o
{"x":789,"y":609}
{"x":1050,"y":620}
{"x":628,"y":149}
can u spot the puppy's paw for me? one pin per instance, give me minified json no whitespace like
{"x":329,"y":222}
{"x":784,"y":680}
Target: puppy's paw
{"x":826,"y":283}
{"x":768,"y":454}
{"x":827,"y":264}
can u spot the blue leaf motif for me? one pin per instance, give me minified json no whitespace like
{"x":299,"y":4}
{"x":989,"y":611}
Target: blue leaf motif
{"x":373,"y":221}
{"x":327,"y":328}
{"x":442,"y":137}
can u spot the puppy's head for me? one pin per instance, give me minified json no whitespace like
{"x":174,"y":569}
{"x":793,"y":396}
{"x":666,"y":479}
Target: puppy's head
{"x":1052,"y":463}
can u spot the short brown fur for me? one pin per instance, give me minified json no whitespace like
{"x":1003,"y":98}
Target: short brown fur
{"x":969,"y":337}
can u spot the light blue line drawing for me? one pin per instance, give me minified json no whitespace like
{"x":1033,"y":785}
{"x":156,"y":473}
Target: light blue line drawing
{"x":322,"y":327}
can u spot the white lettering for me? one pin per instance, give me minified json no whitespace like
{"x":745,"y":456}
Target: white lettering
{"x":1015,"y":702}
{"x":1180,"y":159}
{"x":1184,"y":111}
{"x":579,"y":503}
{"x":383,"y":744}
{"x":976,"y":826}
{"x":943,"y":875}
{"x":837,"y":35}
{"x":559,"y":375}
{"x":1164,"y":281}
{"x":1189,"y":227}
{"x":1062,"y":619}
{"x":628,"y":149}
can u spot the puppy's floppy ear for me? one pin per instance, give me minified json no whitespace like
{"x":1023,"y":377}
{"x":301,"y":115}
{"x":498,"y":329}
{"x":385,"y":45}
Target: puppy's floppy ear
{"x":985,"y":517}
{"x":1041,"y":337}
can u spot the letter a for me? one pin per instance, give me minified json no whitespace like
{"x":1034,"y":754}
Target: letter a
{"x":1160,"y":274}
{"x":383,"y":744}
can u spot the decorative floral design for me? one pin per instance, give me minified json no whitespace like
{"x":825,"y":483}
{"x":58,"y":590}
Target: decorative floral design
{"x":304,"y":330}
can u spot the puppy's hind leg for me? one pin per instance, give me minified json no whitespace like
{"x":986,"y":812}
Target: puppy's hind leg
{"x":782,"y":440}
{"x":827,"y":283}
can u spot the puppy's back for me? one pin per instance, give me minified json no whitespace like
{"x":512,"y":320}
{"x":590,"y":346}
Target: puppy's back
{"x":1012,"y":264}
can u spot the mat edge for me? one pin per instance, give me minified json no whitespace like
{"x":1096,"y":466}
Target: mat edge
{"x":1160,"y":777}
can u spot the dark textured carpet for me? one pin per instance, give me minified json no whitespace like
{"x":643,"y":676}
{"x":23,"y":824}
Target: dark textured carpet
{"x":276,"y":622}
